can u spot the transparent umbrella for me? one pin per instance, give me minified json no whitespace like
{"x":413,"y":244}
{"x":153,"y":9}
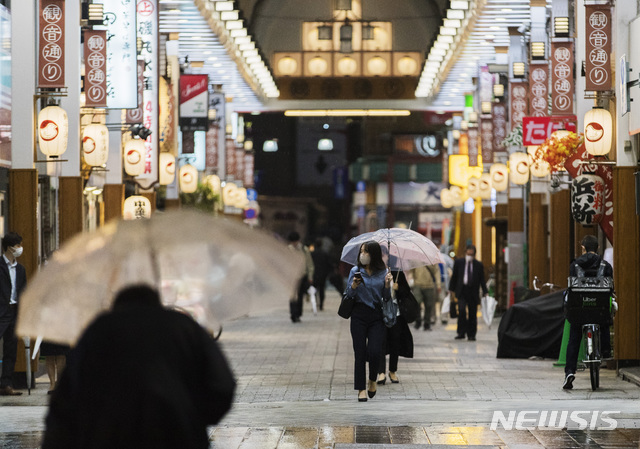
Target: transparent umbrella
{"x":212,"y":268}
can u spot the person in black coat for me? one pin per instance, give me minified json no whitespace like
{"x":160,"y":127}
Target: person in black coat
{"x":589,"y":261}
{"x":141,"y":376}
{"x":323,"y":266}
{"x":399,"y":341}
{"x":466,"y":281}
{"x":13,"y":280}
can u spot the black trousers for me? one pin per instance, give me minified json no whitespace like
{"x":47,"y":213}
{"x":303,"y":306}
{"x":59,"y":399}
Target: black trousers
{"x":320,"y":285}
{"x":9,"y":346}
{"x":468,"y":313}
{"x":295,"y":305}
{"x":573,"y":346}
{"x":367,"y":333}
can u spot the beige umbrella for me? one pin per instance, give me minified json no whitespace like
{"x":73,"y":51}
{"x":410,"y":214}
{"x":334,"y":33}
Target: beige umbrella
{"x":213,"y":268}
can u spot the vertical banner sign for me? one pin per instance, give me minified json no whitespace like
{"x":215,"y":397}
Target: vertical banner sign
{"x":148,"y":33}
{"x":95,"y":63}
{"x":562,"y":78}
{"x":122,"y":57}
{"x":248,"y":169}
{"x":51,"y":48}
{"x":136,"y":115}
{"x":472,"y":135}
{"x":486,"y":139}
{"x":230,"y":152}
{"x":539,"y":89}
{"x":499,"y":116}
{"x":194,"y":102}
{"x":598,"y":47}
{"x":211,"y":139}
{"x":240,"y":163}
{"x":519,"y":103}
{"x":486,"y":84}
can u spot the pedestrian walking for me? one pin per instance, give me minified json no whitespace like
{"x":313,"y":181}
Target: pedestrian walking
{"x":141,"y":376}
{"x":369,"y":283}
{"x":322,"y":268}
{"x":297,"y":300}
{"x":426,"y":288}
{"x":466,"y":281}
{"x":13,"y":280}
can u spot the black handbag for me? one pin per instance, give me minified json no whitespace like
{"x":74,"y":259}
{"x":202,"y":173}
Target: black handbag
{"x":453,"y":310}
{"x":389,"y":312}
{"x":409,"y":307}
{"x":346,"y":306}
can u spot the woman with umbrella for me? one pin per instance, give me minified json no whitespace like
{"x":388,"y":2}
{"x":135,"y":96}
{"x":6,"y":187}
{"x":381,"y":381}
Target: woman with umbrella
{"x":369,"y":283}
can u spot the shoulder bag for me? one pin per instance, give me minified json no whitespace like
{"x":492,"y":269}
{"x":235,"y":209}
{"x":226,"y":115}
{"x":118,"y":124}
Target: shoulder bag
{"x":346,"y":306}
{"x":389,"y":312}
{"x":409,"y":307}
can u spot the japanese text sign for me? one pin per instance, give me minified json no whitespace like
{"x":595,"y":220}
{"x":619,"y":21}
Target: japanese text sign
{"x":519,"y":102}
{"x":499,"y":118}
{"x":535,"y":130}
{"x":598,"y":47}
{"x":539,"y":89}
{"x":95,"y":62}
{"x":562,"y":78}
{"x":51,"y":48}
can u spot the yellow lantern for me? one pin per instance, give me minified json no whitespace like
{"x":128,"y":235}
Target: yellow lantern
{"x":134,"y":152}
{"x":598,"y":131}
{"x":95,"y":144}
{"x":167,"y":168}
{"x":188,"y":178}
{"x":519,"y":168}
{"x":229,"y":194}
{"x":484,"y":186}
{"x":499,"y":177}
{"x":539,"y":168}
{"x":458,"y":195}
{"x":473,"y":187}
{"x":136,"y":207}
{"x":214,"y":182}
{"x":446,"y":198}
{"x":53,"y":131}
{"x":459,"y":170}
{"x":241,"y":200}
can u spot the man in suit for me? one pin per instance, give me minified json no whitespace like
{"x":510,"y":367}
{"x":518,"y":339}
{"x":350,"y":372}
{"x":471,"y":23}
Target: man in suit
{"x":465,"y":282}
{"x":13,"y":280}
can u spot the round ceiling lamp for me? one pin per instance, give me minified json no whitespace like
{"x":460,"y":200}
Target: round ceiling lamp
{"x":377,"y":66}
{"x":317,"y":66}
{"x":347,"y":66}
{"x":407,"y":66}
{"x":287,"y":66}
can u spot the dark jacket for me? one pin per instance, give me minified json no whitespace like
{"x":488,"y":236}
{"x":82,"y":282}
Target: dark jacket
{"x":475,"y":283}
{"x":590,"y":262}
{"x":140,"y":376}
{"x":399,"y":337}
{"x":5,"y":284}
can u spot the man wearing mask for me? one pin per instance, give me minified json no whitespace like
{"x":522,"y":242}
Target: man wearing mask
{"x":466,"y":281}
{"x":13,"y":280}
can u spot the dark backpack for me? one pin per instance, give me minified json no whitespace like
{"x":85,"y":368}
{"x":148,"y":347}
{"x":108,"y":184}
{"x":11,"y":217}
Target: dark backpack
{"x":588,"y":298}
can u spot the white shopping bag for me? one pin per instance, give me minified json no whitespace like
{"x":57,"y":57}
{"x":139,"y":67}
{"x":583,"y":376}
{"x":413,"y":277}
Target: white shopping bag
{"x":312,"y":296}
{"x":488,"y":304}
{"x":446,"y":306}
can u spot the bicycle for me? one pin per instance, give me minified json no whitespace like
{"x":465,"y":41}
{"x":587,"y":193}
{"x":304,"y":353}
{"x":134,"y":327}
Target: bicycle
{"x":592,"y":348}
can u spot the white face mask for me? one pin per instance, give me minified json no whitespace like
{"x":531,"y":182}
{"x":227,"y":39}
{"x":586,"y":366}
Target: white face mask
{"x":17,"y":252}
{"x":468,"y":258}
{"x":365,"y":259}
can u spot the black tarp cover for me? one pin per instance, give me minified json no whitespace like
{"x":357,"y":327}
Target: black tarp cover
{"x":532,"y":328}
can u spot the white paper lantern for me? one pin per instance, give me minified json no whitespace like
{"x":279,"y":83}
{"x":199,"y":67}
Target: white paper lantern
{"x":287,"y":66}
{"x":95,"y":144}
{"x":377,"y":66}
{"x":473,"y":186}
{"x":458,"y":195}
{"x":229,"y":192}
{"x":587,"y":199}
{"x":538,"y":168}
{"x":499,"y":177}
{"x":188,"y":178}
{"x":167,"y":168}
{"x":317,"y":66}
{"x":136,"y":207}
{"x":241,"y":199}
{"x":446,"y":198}
{"x":347,"y":66}
{"x":53,"y":131}
{"x":214,"y":182}
{"x":134,"y":151}
{"x":519,"y":168}
{"x":407,"y":65}
{"x":484,"y":186}
{"x":598,"y":131}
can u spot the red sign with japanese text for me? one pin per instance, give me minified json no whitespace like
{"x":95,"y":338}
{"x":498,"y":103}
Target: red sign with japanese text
{"x":598,"y":47}
{"x":519,"y":102}
{"x":51,"y":44}
{"x":539,"y":89}
{"x":535,"y":130}
{"x":575,"y":169}
{"x":562,"y":84}
{"x":95,"y":63}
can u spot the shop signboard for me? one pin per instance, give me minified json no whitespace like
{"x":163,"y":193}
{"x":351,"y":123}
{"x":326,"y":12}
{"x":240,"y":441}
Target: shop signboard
{"x":486,"y":139}
{"x":51,"y":49}
{"x":121,"y":52}
{"x":148,"y":33}
{"x":598,"y":47}
{"x":562,"y":85}
{"x":499,"y":127}
{"x":95,"y":63}
{"x":473,"y":146}
{"x":539,"y":89}
{"x":519,"y":102}
{"x":427,"y":145}
{"x":135,"y":115}
{"x":535,"y":130}
{"x":194,"y":102}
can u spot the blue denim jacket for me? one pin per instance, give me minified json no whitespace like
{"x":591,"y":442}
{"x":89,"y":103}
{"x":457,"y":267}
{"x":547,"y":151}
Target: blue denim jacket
{"x":371,"y":291}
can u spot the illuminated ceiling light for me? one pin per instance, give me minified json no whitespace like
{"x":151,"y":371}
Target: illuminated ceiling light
{"x":242,"y":40}
{"x":485,"y":106}
{"x":325,"y":144}
{"x":238,"y":33}
{"x":537,"y":50}
{"x":234,"y":25}
{"x":452,"y":23}
{"x":248,"y":53}
{"x":498,"y":90}
{"x":448,"y":31}
{"x":441,"y":45}
{"x":518,"y":69}
{"x":229,"y":15}
{"x":345,"y":112}
{"x":270,"y":146}
{"x":224,"y":6}
{"x":438,"y":51}
{"x":455,"y":14}
{"x":561,"y":26}
{"x":248,"y":46}
{"x":459,"y":4}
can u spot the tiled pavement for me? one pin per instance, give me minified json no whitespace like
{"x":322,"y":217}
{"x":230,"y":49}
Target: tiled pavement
{"x":295,"y":390}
